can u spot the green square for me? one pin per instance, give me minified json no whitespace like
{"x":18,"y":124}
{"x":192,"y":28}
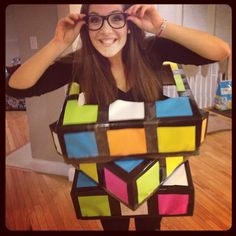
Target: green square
{"x":75,"y":114}
{"x":179,"y":83}
{"x":148,"y":182}
{"x":94,"y":205}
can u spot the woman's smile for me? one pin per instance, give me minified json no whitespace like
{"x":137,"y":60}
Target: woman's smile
{"x":107,"y":42}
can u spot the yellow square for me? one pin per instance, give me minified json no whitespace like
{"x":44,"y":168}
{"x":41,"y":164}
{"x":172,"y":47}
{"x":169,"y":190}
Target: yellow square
{"x":74,"y":89}
{"x":173,"y":65}
{"x":90,"y":169}
{"x":172,"y":163}
{"x":176,"y":139}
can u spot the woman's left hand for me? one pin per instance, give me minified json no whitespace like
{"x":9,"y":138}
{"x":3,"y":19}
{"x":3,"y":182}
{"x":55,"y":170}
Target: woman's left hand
{"x":145,"y":17}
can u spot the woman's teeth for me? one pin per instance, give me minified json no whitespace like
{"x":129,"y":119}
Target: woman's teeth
{"x":107,"y":42}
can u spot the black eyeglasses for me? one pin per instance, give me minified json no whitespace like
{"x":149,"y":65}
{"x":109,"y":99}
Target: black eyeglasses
{"x":115,"y":20}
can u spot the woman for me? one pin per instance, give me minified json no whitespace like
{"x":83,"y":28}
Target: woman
{"x":115,"y":61}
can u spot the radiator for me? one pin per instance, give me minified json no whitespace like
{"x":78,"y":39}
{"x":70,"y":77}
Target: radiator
{"x":203,"y":87}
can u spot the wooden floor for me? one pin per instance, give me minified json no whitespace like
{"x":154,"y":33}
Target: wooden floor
{"x":17,"y":130}
{"x":36,"y":201}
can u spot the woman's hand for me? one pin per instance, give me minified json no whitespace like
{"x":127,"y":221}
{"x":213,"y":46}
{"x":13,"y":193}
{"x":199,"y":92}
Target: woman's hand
{"x":68,"y":28}
{"x":145,"y":17}
{"x":30,"y":72}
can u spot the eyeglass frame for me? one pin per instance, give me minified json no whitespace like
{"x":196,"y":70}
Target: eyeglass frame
{"x":86,"y":18}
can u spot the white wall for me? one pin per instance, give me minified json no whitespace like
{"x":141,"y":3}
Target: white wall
{"x":215,"y":19}
{"x":11,"y":42}
{"x":223,"y":22}
{"x":23,"y":21}
{"x":40,"y":21}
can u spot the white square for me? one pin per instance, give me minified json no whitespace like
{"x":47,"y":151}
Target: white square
{"x":81,"y":99}
{"x":124,"y":110}
{"x":56,"y":142}
{"x":178,"y":177}
{"x":170,"y":91}
{"x":141,"y":210}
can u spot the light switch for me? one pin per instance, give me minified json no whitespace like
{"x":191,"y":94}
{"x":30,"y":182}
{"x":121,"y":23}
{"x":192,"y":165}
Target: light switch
{"x":33,"y":42}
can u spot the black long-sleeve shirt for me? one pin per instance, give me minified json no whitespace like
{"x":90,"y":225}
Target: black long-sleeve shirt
{"x":157,"y":50}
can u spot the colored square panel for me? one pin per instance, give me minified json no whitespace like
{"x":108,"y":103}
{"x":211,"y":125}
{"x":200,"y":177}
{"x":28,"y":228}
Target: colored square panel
{"x":116,"y":185}
{"x":176,"y":198}
{"x":75,"y":114}
{"x":90,"y":169}
{"x":178,"y":177}
{"x":173,"y":107}
{"x":148,"y":182}
{"x":84,"y":181}
{"x":173,"y":204}
{"x":173,"y":65}
{"x":203,"y":131}
{"x":81,"y":144}
{"x":74,"y":88}
{"x":172,"y":163}
{"x":170,"y":91}
{"x":56,"y":142}
{"x":128,"y":165}
{"x":179,"y":83}
{"x":126,"y":110}
{"x":141,"y":210}
{"x":94,"y":205}
{"x":127,"y":141}
{"x":176,"y":139}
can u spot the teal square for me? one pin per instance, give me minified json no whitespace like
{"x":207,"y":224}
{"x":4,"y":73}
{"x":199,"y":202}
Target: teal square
{"x":173,"y":107}
{"x":81,"y":145}
{"x":84,"y":181}
{"x":128,"y":165}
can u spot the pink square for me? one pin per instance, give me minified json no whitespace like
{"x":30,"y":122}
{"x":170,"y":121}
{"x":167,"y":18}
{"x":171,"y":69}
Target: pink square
{"x":173,"y":204}
{"x":116,"y":186}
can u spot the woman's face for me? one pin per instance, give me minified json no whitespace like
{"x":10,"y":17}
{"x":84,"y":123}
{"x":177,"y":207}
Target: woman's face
{"x":108,"y":41}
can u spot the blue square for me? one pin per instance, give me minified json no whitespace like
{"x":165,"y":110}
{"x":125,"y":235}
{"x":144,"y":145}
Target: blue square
{"x":84,"y":181}
{"x":81,"y":145}
{"x":173,"y":107}
{"x":128,"y":165}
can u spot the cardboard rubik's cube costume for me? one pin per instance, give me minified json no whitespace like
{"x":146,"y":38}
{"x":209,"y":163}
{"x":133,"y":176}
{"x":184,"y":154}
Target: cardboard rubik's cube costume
{"x":173,"y":198}
{"x":131,"y":157}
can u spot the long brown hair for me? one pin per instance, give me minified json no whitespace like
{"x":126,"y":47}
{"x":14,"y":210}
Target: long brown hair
{"x":93,"y":72}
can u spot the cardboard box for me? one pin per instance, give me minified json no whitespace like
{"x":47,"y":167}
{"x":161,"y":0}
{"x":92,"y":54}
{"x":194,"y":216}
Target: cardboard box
{"x":170,"y":127}
{"x":131,"y":181}
{"x":174,"y":197}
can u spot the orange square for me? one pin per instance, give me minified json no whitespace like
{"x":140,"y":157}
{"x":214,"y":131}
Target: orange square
{"x":127,"y":141}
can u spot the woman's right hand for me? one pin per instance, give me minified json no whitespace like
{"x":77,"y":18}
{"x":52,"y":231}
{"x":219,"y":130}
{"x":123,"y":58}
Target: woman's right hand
{"x":68,"y":28}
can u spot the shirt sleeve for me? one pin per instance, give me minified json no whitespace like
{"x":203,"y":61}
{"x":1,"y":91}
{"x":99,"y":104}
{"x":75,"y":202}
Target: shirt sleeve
{"x":167,"y":50}
{"x":56,"y":76}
